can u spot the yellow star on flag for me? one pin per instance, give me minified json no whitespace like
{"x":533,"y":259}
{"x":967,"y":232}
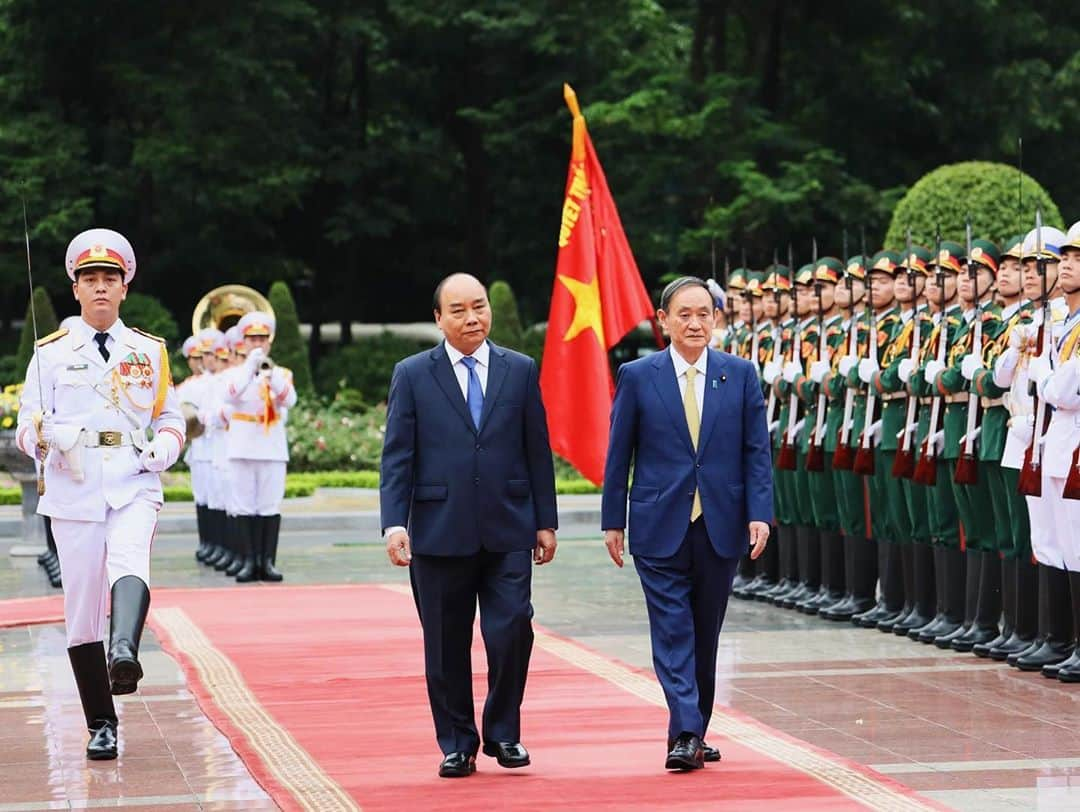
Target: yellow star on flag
{"x":587,"y":314}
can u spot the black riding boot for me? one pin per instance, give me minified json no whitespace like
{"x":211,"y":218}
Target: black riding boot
{"x":789,"y":579}
{"x":967,"y":598}
{"x":241,"y":552}
{"x":1054,"y":643}
{"x":130,"y":603}
{"x":1026,"y":625}
{"x":271,"y":530}
{"x":1069,"y":671}
{"x":744,"y":574}
{"x":892,"y":588}
{"x":1008,"y":609}
{"x":246,"y":533}
{"x":764,"y":568}
{"x":813,"y":572}
{"x":92,"y":680}
{"x":205,"y":548}
{"x":984,"y":626}
{"x":953,"y":584}
{"x":924,"y":589}
{"x":224,"y":559}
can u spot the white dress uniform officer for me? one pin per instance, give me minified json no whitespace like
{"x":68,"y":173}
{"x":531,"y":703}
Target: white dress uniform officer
{"x":188,"y":393}
{"x":259,"y":394}
{"x":99,"y":408}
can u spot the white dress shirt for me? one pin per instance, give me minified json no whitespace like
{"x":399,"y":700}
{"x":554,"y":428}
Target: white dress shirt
{"x":701,"y":365}
{"x":461,"y":372}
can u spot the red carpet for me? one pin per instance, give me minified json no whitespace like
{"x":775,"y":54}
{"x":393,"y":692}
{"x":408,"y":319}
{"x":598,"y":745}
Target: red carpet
{"x":321,"y":691}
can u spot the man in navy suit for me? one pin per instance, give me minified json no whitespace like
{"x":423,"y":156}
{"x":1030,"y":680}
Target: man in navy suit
{"x":467,"y":498}
{"x":691,"y":420}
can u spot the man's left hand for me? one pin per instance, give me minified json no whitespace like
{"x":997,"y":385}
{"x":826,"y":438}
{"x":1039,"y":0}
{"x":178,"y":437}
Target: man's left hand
{"x":545,"y":546}
{"x":759,"y":537}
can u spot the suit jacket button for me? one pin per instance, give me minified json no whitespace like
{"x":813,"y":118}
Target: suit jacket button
{"x":476,"y":481}
{"x":478,"y":448}
{"x":699,"y":465}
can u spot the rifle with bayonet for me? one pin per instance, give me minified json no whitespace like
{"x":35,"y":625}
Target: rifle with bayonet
{"x":904,"y":461}
{"x":842,"y":457}
{"x":770,"y":411}
{"x":785,"y":460}
{"x":864,"y":457}
{"x":926,"y":468}
{"x":967,"y":468}
{"x":815,"y":455}
{"x":1030,"y":483}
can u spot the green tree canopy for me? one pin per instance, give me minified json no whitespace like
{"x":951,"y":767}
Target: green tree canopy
{"x":46,"y":323}
{"x":988,"y":193}
{"x":289,"y":349}
{"x":505,"y":319}
{"x":151,"y":316}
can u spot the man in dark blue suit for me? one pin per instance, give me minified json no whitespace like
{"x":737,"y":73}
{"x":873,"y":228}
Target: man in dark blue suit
{"x":691,"y":420}
{"x":467,"y":498}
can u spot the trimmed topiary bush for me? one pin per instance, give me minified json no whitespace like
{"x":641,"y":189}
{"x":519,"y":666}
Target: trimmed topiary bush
{"x":289,"y":348}
{"x":366,"y":365}
{"x":505,"y":319}
{"x":46,"y":323}
{"x":985,"y":191}
{"x":151,"y":316}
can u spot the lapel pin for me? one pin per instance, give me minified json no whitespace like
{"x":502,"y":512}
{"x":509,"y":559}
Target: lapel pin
{"x":723,"y":379}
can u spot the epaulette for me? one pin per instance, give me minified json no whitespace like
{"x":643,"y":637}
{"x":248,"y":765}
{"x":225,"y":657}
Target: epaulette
{"x":51,"y":337}
{"x":148,"y":335}
{"x":834,"y":330}
{"x":990,"y":315}
{"x":953,"y":320}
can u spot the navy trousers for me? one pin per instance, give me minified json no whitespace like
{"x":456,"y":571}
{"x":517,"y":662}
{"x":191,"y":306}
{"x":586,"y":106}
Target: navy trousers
{"x":687,"y":596}
{"x":447,"y":590}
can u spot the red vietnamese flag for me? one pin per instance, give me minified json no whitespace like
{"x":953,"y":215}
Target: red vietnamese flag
{"x":597,"y":299}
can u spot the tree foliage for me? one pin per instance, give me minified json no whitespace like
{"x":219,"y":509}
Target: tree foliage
{"x":505,"y":319}
{"x":151,"y":316}
{"x":989,"y":194}
{"x":289,"y":348}
{"x":46,"y":323}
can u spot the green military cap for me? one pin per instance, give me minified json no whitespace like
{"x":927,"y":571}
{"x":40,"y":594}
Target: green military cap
{"x":985,"y":253}
{"x":856,"y":267}
{"x":1013,"y":247}
{"x":737,"y":279}
{"x":755,"y":281}
{"x":805,"y":275}
{"x":829,"y":269}
{"x":884,"y":262}
{"x":778,"y":277}
{"x":918,"y":260}
{"x":950,"y":258}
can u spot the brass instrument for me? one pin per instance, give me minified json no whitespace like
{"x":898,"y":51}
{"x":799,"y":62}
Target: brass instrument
{"x":192,"y":423}
{"x":222,"y":307}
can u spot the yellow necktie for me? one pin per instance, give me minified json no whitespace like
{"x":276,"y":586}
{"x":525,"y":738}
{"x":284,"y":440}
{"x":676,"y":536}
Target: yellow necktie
{"x":693,"y":422}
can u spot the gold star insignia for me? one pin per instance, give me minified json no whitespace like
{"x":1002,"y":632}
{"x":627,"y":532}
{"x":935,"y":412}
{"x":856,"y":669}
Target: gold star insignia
{"x":587,"y":314}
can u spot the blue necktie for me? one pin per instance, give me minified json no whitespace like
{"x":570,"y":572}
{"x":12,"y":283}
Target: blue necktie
{"x":475,"y":399}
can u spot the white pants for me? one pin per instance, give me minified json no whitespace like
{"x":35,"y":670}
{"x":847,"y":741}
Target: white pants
{"x":94,"y":556}
{"x":1066,"y":513}
{"x":258,"y":486}
{"x":1053,"y":528}
{"x":198,"y":481}
{"x":217,"y":487}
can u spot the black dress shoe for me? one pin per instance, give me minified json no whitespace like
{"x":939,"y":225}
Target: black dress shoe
{"x":1049,"y":653}
{"x":508,"y":754}
{"x":102,"y":745}
{"x":975,"y":635}
{"x":1015,"y":644}
{"x":457,"y":765}
{"x":711,"y":753}
{"x":686,"y":753}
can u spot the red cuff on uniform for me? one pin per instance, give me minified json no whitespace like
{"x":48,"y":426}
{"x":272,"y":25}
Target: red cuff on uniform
{"x":939,"y":383}
{"x":876,"y":383}
{"x":179,"y":437}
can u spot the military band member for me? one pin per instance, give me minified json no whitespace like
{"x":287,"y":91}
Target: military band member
{"x":209,"y":491}
{"x":106,"y":424}
{"x":259,"y":394}
{"x":1061,"y":389}
{"x":1016,"y":369}
{"x":187,"y":392}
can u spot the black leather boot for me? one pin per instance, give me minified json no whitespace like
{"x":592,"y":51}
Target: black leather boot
{"x":882,"y":609}
{"x":802,"y":556}
{"x":1053,"y":670}
{"x":224,"y":559}
{"x":1069,"y":671}
{"x":813,"y":572}
{"x":1055,"y":622}
{"x":743,"y":576}
{"x":239,"y":542}
{"x":984,"y":625}
{"x":130,"y":603}
{"x":1026,"y":622}
{"x":1008,"y":609}
{"x":930,"y":630}
{"x":200,"y":526}
{"x":246,"y":533}
{"x":764,"y":568}
{"x":92,"y":680}
{"x":923,"y":589}
{"x":892,"y":588}
{"x":271,"y":530}
{"x":955,"y":583}
{"x":789,"y":579}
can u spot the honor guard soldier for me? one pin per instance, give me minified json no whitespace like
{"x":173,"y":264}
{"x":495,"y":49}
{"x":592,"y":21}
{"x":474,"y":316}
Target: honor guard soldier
{"x":199,"y":456}
{"x":1001,"y":455}
{"x":1061,"y":463}
{"x":1023,"y":364}
{"x":980,"y":325}
{"x":99,"y":410}
{"x":187,"y":392}
{"x":259,"y":393}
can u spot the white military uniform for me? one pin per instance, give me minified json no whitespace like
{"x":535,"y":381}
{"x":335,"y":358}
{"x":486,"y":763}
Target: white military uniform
{"x":103,"y":503}
{"x":257,"y":444}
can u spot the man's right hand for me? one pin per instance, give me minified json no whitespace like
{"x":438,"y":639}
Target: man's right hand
{"x":614,"y":540}
{"x":254,"y":358}
{"x":398,"y":548}
{"x":45,"y":429}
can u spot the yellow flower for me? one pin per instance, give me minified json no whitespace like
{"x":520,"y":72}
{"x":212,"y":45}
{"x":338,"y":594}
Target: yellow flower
{"x":7,"y":422}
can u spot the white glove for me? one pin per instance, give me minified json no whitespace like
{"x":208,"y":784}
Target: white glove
{"x":1018,"y":338}
{"x":847,"y":363}
{"x":1022,"y":427}
{"x":934,"y":368}
{"x":867,"y":368}
{"x":47,"y":433}
{"x":875,"y":430}
{"x":907,"y":366}
{"x":792,"y":370}
{"x":278,"y":379}
{"x":155,"y":457}
{"x":818,"y":371}
{"x":773,"y":426}
{"x":939,"y":442}
{"x":254,"y":358}
{"x":1039,"y":369}
{"x":770,"y":372}
{"x":970,"y":365}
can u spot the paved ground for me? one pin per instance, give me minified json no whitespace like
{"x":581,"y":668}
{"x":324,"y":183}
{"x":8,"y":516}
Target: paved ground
{"x":972,"y":735}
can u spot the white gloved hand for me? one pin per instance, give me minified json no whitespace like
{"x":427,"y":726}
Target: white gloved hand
{"x":1039,"y":369}
{"x":773,"y":426}
{"x":254,"y":358}
{"x":847,"y":363}
{"x":818,"y":371}
{"x":875,"y":430}
{"x":907,"y":366}
{"x":939,"y":442}
{"x":792,"y":370}
{"x":867,"y":368}
{"x":155,"y":457}
{"x":934,"y":368}
{"x":47,"y":433}
{"x":1019,"y":337}
{"x":970,"y":365}
{"x":1021,"y":428}
{"x":770,"y":372}
{"x":278,"y":379}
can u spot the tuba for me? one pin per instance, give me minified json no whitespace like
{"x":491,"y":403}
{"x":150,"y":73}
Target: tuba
{"x":222,"y":307}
